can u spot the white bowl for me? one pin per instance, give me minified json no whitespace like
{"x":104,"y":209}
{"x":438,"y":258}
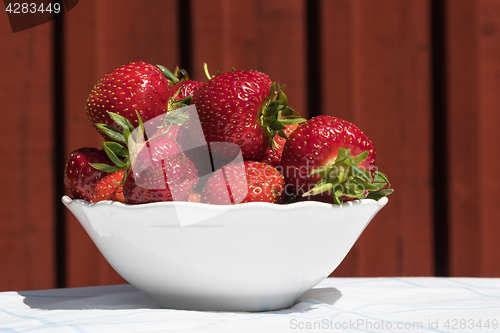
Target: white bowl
{"x":246,"y":257}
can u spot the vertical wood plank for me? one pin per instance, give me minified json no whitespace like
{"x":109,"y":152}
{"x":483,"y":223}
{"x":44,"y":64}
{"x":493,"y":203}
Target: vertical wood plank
{"x":101,"y":36}
{"x":208,"y":42}
{"x":84,"y":264}
{"x":473,"y":102}
{"x":376,"y":74}
{"x":489,"y":102}
{"x":26,"y":199}
{"x":264,"y":35}
{"x":462,"y":95}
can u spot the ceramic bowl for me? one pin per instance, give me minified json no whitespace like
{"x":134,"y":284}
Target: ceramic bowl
{"x":246,"y":257}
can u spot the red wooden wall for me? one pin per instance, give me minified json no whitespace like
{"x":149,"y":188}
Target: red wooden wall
{"x":420,"y":77}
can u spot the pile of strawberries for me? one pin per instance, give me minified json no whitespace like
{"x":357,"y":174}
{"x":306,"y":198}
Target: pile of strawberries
{"x":244,"y":117}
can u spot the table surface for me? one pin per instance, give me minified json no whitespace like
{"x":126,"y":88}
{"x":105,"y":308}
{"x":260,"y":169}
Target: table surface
{"x":421,"y":304}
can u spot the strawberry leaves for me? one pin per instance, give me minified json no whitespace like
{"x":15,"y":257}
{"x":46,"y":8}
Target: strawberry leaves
{"x":380,"y":180}
{"x":117,"y":150}
{"x":275,"y":114}
{"x":127,"y":140}
{"x":173,"y":78}
{"x":345,"y":179}
{"x":244,"y":108}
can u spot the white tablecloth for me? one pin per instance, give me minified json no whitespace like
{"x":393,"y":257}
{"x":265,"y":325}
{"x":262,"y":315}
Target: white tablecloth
{"x":336,"y":304}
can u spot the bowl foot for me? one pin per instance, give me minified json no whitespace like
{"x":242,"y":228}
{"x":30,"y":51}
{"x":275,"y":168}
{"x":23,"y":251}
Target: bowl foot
{"x":244,"y":303}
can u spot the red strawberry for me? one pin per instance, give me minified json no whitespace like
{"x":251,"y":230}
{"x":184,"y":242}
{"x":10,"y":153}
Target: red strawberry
{"x":156,"y":169}
{"x":159,"y":172}
{"x":194,"y":197}
{"x":109,"y":188}
{"x":136,"y":87}
{"x":186,"y":88}
{"x":179,"y":80}
{"x":242,"y":107}
{"x":334,"y":158}
{"x":80,"y":178}
{"x":273,"y":154}
{"x":227,"y":185}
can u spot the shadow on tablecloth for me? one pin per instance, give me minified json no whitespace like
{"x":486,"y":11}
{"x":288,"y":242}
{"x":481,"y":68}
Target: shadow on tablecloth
{"x":126,"y":296}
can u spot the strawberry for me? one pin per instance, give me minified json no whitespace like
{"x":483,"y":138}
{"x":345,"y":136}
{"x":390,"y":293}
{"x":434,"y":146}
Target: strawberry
{"x":273,"y":154}
{"x":330,"y":157}
{"x":194,"y":197}
{"x":228,"y":186}
{"x":244,"y":108}
{"x":109,"y":188}
{"x":80,"y":178}
{"x":186,"y":88}
{"x":136,"y":87}
{"x":159,"y":172}
{"x":183,"y":87}
{"x":155,"y":168}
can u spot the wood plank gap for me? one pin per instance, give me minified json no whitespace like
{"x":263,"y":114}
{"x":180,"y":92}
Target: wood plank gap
{"x":185,"y":35}
{"x":313,"y":58}
{"x":440,"y":164}
{"x":59,"y":152}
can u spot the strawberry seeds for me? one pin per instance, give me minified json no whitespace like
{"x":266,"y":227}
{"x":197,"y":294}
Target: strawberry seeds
{"x":229,"y":140}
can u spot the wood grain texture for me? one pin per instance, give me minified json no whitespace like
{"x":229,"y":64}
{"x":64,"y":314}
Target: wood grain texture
{"x":26,"y":168}
{"x":101,"y":36}
{"x":376,"y":74}
{"x":473,"y":76}
{"x":265,"y":35}
{"x":489,"y":102}
{"x":369,"y":62}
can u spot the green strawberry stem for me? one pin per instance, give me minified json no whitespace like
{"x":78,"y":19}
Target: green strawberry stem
{"x":168,"y":74}
{"x":105,"y":167}
{"x":177,"y":76}
{"x":181,"y":74}
{"x":207,"y":73}
{"x":344,"y":178}
{"x":119,"y":151}
{"x":180,"y":103}
{"x":275,"y":114}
